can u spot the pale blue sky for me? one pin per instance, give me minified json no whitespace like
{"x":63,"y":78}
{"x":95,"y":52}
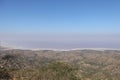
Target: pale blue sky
{"x":74,"y":23}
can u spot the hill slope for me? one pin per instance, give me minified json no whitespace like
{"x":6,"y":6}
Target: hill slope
{"x":90,"y":64}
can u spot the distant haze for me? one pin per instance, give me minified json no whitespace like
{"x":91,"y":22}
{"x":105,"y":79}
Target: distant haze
{"x":63,"y":41}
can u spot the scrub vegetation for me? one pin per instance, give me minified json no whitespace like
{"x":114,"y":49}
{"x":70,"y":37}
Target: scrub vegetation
{"x":59,"y":65}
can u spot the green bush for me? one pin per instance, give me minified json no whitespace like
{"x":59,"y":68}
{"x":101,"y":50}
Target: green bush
{"x":52,"y":71}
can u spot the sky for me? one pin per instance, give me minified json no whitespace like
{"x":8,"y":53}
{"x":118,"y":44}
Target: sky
{"x":61,"y":24}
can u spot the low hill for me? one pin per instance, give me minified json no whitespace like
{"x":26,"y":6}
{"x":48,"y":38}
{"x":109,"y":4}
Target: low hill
{"x":89,"y":64}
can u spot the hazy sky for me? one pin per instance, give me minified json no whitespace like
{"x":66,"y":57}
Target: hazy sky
{"x":60,"y":23}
